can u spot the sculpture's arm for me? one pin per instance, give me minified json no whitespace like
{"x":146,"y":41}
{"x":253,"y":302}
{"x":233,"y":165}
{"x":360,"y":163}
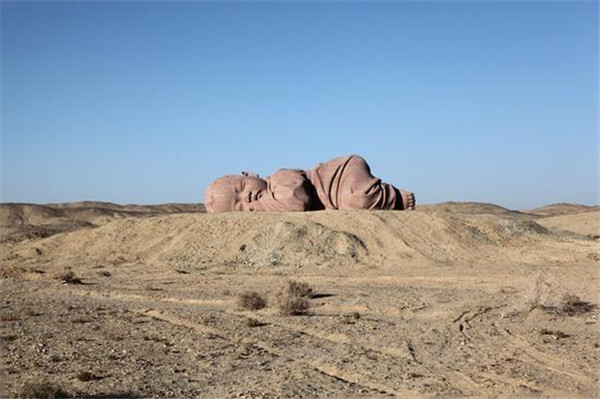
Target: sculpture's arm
{"x":287,"y":190}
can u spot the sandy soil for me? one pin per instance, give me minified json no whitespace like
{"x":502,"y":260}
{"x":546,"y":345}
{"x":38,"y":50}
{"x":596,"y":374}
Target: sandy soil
{"x":436,"y":302}
{"x":585,"y":223}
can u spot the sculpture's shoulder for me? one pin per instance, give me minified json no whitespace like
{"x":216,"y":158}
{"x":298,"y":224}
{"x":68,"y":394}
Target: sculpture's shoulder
{"x":339,"y":165}
{"x":283,"y":175}
{"x":291,"y":189}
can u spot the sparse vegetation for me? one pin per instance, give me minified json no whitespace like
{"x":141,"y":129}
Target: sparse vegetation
{"x":299,"y":289}
{"x":250,"y":322}
{"x":29,"y":310}
{"x":350,"y":318}
{"x":68,"y":277}
{"x":41,"y":389}
{"x":114,"y":336}
{"x":17,"y":272}
{"x":81,"y":319}
{"x":554,"y":333}
{"x":86,"y":376}
{"x":594,"y":256}
{"x":548,"y":294}
{"x":251,"y":300}
{"x":160,"y":340}
{"x":293,"y":299}
{"x":292,"y":305}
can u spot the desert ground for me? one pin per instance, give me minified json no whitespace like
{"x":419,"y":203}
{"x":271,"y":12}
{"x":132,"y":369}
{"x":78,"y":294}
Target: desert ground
{"x":451,"y":300}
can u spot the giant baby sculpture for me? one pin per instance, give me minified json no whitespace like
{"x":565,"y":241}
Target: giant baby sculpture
{"x":342,"y":183}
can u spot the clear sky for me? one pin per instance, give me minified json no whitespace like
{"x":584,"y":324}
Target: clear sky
{"x":147,"y":102}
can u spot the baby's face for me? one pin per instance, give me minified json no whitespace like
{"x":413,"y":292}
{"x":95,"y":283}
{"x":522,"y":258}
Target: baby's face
{"x":235,"y":193}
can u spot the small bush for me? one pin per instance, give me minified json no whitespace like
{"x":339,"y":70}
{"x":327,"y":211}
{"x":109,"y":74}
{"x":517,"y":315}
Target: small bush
{"x":350,"y":318}
{"x":114,"y":336}
{"x":86,"y":376}
{"x":290,"y":305}
{"x":554,"y":333}
{"x":80,"y":319}
{"x":68,"y":277}
{"x":42,"y":389}
{"x":595,"y":256}
{"x":250,"y":322}
{"x":13,"y":272}
{"x":548,"y":294}
{"x":251,"y":300}
{"x":28,"y":310}
{"x":298,"y":289}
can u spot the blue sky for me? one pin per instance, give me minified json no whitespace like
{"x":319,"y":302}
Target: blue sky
{"x":147,"y":102}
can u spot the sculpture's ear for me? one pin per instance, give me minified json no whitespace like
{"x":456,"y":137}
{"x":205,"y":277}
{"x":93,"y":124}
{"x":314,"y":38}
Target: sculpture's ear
{"x":250,"y":174}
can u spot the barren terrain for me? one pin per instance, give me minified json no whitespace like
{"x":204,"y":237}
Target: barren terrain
{"x":451,"y":300}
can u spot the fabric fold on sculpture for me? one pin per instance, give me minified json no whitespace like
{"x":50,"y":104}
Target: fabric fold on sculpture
{"x":347,"y":183}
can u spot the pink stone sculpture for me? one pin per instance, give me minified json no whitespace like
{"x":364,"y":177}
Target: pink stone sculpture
{"x":342,"y":183}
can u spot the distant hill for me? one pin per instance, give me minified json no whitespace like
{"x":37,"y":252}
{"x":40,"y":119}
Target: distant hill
{"x":473,"y":208}
{"x":562,"y":209}
{"x":20,"y":221}
{"x":585,"y":222}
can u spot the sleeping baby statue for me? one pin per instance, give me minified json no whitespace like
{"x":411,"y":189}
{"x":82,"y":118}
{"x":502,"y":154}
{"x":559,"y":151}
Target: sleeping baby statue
{"x":343,"y":183}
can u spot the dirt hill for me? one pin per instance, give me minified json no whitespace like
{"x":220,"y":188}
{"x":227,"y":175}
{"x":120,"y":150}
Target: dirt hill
{"x":311,"y":239}
{"x":562,"y":209}
{"x":20,"y":222}
{"x":585,"y":223}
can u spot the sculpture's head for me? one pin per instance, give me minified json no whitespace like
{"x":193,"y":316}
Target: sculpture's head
{"x":235,"y":193}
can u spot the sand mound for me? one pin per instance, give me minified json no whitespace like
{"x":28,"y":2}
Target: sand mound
{"x":283,"y":242}
{"x":309,"y":239}
{"x":474,"y":208}
{"x":585,"y":223}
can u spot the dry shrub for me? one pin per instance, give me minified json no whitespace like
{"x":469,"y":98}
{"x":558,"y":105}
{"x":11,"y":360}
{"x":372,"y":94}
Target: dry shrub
{"x":292,"y":300}
{"x":29,"y":310}
{"x":13,"y":272}
{"x":289,"y":305}
{"x":548,"y":294}
{"x":114,"y":336}
{"x":594,"y":256}
{"x":250,"y":322}
{"x":42,"y":389}
{"x":68,"y":277}
{"x":298,"y":289}
{"x":86,"y":376}
{"x":250,"y":300}
{"x":556,"y":334}
{"x":81,"y":319}
{"x":350,"y":318}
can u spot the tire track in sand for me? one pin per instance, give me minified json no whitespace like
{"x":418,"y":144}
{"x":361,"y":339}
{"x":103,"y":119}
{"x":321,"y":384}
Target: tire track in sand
{"x":329,"y":370}
{"x":460,"y":380}
{"x":559,"y":366}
